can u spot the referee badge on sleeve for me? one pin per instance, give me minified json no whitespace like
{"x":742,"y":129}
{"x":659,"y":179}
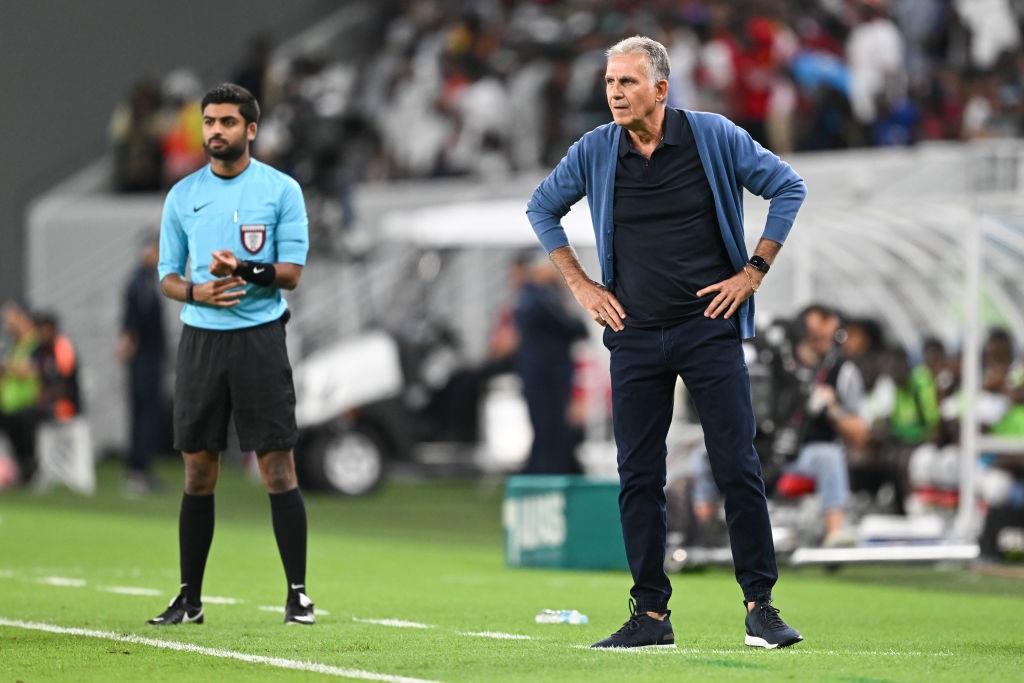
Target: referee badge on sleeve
{"x":253,"y":237}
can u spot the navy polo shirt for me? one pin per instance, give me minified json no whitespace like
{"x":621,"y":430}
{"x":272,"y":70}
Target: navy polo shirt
{"x":667,"y":241}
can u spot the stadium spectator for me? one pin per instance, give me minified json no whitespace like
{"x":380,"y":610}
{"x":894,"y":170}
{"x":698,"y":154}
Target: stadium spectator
{"x":141,"y":346}
{"x":232,"y":358}
{"x":253,"y":72}
{"x":136,"y":132}
{"x":182,"y":143}
{"x":834,"y":73}
{"x":20,"y":386}
{"x":548,"y":329}
{"x":673,"y":300}
{"x":874,"y":51}
{"x":800,"y":75}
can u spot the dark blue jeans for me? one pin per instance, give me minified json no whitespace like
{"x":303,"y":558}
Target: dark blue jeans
{"x":708,"y":355}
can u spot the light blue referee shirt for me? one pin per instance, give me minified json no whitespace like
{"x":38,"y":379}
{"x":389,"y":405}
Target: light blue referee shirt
{"x":259,"y":215}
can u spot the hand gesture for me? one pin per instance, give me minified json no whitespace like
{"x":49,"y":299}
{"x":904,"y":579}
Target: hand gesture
{"x":224,"y":263}
{"x":222,"y":293}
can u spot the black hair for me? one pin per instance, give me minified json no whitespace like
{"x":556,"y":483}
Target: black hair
{"x":231,"y":93}
{"x":42,"y":318}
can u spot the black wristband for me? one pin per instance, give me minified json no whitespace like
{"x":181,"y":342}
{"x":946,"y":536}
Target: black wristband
{"x":189,"y":298}
{"x":256,"y":273}
{"x":758,"y":263}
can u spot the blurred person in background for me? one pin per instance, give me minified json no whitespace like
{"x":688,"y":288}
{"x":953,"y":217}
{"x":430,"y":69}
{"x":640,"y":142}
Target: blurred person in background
{"x":60,"y":397}
{"x":826,"y":421}
{"x":253,"y":72}
{"x":182,"y":142}
{"x":820,"y":404}
{"x":674,"y":301}
{"x":141,"y":345}
{"x":904,"y":415}
{"x":547,"y":330}
{"x":878,"y":70}
{"x":19,"y":387}
{"x":136,"y":132}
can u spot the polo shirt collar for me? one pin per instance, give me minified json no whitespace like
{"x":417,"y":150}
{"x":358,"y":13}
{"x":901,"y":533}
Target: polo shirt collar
{"x":673,"y":131}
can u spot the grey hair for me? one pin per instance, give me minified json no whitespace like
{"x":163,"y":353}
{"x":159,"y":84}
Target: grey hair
{"x":658,"y":66}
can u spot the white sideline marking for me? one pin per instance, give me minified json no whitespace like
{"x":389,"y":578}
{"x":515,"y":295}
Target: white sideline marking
{"x":61,"y":581}
{"x":278,"y":662}
{"x":494,"y":634}
{"x":398,"y":623}
{"x":130,"y":590}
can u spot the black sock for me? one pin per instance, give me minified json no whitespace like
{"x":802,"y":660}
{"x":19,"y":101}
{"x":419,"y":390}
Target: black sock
{"x":195,"y":534}
{"x":288,"y":512}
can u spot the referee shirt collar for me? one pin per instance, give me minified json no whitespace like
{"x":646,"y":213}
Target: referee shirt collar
{"x":673,"y":132}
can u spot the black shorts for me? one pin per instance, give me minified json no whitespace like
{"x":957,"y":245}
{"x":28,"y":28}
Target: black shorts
{"x":242,"y":373}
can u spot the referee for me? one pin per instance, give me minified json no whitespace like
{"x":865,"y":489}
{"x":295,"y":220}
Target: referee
{"x":241,"y":227}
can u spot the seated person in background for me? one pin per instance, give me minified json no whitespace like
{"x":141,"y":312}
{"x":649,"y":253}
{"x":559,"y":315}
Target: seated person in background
{"x":937,"y":367}
{"x":59,"y":395}
{"x":824,"y":419}
{"x":934,"y":470}
{"x":904,"y":414}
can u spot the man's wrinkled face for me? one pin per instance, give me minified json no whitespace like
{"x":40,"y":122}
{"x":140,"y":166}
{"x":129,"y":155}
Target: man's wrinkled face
{"x":632,"y":96}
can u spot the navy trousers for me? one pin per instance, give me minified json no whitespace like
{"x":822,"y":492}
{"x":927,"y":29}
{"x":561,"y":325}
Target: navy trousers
{"x":708,"y":355}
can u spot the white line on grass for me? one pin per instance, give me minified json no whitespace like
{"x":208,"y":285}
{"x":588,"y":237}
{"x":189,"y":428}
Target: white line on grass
{"x":397,"y":623}
{"x":65,"y":581}
{"x":130,"y":590}
{"x":217,"y":600}
{"x":278,"y":662}
{"x":494,"y":634}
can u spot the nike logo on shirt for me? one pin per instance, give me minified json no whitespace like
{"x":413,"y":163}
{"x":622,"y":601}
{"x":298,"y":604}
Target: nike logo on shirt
{"x":197,"y":209}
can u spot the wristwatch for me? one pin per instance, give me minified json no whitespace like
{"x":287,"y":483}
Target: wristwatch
{"x":759,"y":263}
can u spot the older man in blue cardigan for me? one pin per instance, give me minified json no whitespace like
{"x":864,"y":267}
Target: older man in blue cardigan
{"x":665,"y":189}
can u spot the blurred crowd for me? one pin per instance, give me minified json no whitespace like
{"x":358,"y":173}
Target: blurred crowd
{"x":38,"y":384}
{"x":482,"y":89}
{"x":871,"y":426}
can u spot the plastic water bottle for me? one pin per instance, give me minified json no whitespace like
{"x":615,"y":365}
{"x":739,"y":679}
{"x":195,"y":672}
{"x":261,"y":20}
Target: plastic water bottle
{"x":564,"y":616}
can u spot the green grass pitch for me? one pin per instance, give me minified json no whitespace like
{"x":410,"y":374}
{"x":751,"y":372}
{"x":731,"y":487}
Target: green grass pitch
{"x":411,"y":585}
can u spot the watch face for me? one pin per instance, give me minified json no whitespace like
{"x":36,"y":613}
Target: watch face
{"x":759,"y":263}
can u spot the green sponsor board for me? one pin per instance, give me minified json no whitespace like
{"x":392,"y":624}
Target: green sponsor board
{"x":569,"y":522}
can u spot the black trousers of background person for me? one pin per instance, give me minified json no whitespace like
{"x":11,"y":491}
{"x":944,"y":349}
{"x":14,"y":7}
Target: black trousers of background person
{"x":548,"y":393}
{"x":147,"y":401}
{"x":708,"y":355}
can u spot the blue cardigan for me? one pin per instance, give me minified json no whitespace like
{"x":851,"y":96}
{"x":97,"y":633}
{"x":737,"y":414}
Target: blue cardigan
{"x":732,"y":160}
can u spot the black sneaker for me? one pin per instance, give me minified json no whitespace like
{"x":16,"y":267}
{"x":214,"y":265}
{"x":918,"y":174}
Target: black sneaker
{"x":640,"y":631}
{"x":179,"y":612}
{"x":765,"y":628}
{"x":299,"y":609}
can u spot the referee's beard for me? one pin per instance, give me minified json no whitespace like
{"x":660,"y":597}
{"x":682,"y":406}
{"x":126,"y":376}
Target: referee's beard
{"x":228,"y":153}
